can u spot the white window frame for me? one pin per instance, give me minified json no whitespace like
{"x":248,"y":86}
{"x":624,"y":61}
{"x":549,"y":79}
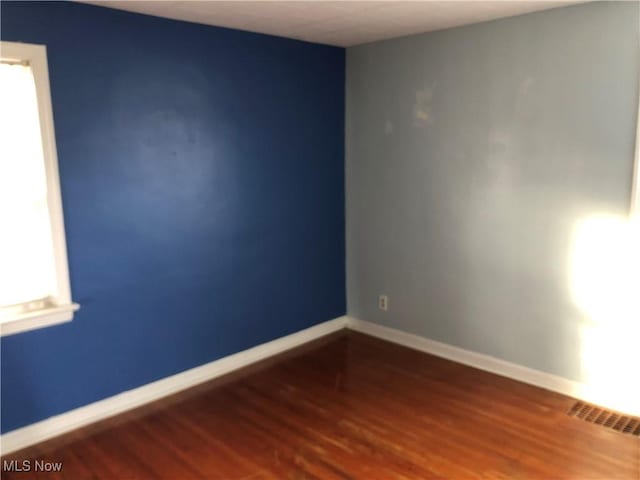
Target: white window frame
{"x":58,"y":308}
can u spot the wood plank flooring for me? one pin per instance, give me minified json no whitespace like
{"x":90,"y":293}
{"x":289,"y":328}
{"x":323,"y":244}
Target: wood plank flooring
{"x":347,"y":406}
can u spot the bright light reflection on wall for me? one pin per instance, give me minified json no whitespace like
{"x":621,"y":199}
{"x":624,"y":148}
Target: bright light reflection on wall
{"x":606,"y":288}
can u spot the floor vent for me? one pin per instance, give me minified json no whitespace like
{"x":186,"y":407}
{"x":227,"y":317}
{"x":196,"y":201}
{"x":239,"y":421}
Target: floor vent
{"x":617,"y":421}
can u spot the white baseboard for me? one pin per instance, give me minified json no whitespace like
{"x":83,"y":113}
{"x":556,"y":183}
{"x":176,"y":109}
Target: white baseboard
{"x":544,"y":380}
{"x":79,"y":417}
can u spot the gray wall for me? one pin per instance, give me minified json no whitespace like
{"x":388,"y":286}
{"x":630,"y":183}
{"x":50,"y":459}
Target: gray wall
{"x":471,"y":154}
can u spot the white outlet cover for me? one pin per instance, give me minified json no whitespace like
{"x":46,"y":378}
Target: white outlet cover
{"x":383,"y":302}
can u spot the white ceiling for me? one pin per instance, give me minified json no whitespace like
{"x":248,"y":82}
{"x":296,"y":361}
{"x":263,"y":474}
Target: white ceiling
{"x":341,"y":23}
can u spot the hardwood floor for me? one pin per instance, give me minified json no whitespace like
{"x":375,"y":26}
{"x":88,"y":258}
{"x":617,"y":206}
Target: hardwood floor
{"x":347,"y":406}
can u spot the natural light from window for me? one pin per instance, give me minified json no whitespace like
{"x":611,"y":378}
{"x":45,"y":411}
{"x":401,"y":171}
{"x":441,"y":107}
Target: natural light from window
{"x":605,"y":283}
{"x":26,"y":250}
{"x":34,"y":278}
{"x":606,"y":288}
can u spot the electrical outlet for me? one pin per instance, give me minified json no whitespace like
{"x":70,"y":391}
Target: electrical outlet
{"x":383,"y":302}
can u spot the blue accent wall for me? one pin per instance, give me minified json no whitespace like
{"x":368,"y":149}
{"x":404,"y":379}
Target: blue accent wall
{"x":202,"y":175}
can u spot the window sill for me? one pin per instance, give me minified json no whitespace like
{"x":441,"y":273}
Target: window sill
{"x":38,"y":319}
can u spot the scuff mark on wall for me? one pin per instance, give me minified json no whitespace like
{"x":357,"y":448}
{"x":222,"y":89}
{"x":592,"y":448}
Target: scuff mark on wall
{"x":388,"y":127}
{"x":524,"y":102}
{"x":422,"y":109}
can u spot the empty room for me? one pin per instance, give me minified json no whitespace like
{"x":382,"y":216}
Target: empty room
{"x":291,"y":240}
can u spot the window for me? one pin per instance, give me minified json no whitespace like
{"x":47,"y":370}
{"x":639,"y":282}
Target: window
{"x":34,"y":278}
